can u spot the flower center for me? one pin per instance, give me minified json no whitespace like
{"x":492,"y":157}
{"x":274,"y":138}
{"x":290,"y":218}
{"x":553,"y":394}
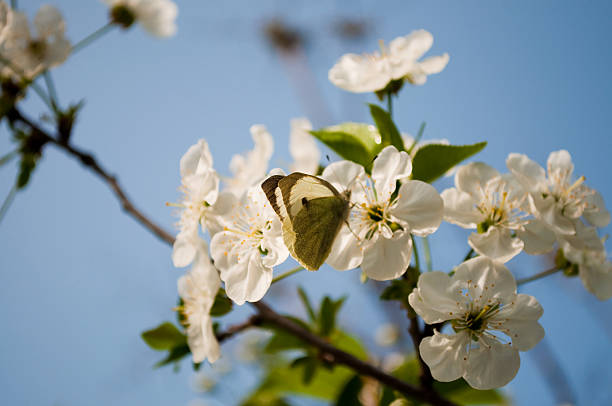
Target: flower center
{"x":476,"y":320}
{"x":122,"y":15}
{"x":498,"y":208}
{"x":37,"y":48}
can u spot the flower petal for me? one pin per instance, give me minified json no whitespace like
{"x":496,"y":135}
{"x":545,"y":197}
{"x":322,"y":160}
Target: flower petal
{"x":389,"y":166}
{"x":303,"y":147}
{"x":419,"y":205}
{"x":597,"y":279}
{"x":460,"y":208}
{"x":473,"y":177}
{"x":197,"y":159}
{"x":596,"y":212}
{"x":437,"y":297}
{"x":497,"y":244}
{"x":487,"y":280}
{"x":346,"y":253}
{"x":412,"y":46}
{"x":359,"y":74}
{"x":387,"y":258}
{"x":529,"y":173}
{"x":538,"y":238}
{"x":49,"y":22}
{"x":492,"y":365}
{"x":343,"y":175}
{"x":247,"y":281}
{"x":445,"y":355}
{"x":185,"y":247}
{"x":560,"y":161}
{"x":434,"y":64}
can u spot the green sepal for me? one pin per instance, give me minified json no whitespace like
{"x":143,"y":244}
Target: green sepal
{"x":222,"y":304}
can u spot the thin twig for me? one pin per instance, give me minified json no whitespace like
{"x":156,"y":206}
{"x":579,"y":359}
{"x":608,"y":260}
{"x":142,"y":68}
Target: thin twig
{"x":92,"y":37}
{"x":231,"y":331}
{"x":90,"y":162}
{"x":8,"y":201}
{"x":338,"y":356}
{"x":417,"y":262}
{"x":538,"y":276}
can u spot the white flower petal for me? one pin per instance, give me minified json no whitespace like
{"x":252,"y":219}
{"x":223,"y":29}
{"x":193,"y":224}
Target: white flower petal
{"x":303,"y":147}
{"x":185,"y":247}
{"x":434,"y":64}
{"x":197,"y":159}
{"x":597,"y":279}
{"x":359,"y":74}
{"x":538,"y":238}
{"x":497,"y":244}
{"x":412,"y":46}
{"x":419,"y":205}
{"x":472,"y":178}
{"x":490,"y":368}
{"x":346,"y":252}
{"x":49,"y":22}
{"x":560,"y":161}
{"x":529,"y":173}
{"x":343,"y":175}
{"x":488,"y":280}
{"x":436,"y":297}
{"x":549,"y":212}
{"x":460,"y":208}
{"x":248,"y":281}
{"x":387,"y":258}
{"x":445,"y":355}
{"x":389,"y":166}
{"x":596,"y":212}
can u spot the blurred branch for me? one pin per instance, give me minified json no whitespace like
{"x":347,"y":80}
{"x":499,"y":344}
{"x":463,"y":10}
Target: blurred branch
{"x":338,"y":356}
{"x":231,"y":331}
{"x":92,"y":164}
{"x":265,"y":313}
{"x":538,"y":276}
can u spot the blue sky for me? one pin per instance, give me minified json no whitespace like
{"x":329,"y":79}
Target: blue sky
{"x":80,"y":280}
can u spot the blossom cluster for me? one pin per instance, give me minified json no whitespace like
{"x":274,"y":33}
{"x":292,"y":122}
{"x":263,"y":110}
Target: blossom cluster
{"x":27,"y":51}
{"x":481,"y":322}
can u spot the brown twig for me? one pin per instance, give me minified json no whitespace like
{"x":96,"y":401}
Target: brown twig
{"x":231,"y":331}
{"x":417,"y":336}
{"x":265,"y":313}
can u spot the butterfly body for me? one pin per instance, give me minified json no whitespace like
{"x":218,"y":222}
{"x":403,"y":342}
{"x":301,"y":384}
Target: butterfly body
{"x":312,"y":212}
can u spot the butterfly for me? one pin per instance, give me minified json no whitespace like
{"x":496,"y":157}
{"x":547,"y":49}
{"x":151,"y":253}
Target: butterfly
{"x":312,"y":212}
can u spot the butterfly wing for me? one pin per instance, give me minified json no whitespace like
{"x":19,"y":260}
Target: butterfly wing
{"x":298,"y":188}
{"x":313,"y":230}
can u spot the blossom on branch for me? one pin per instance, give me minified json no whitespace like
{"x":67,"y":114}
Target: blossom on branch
{"x":398,"y":62}
{"x":382,"y":220}
{"x":31,"y":53}
{"x":555,"y":197}
{"x":197,"y":289}
{"x":492,"y":323}
{"x":157,"y":17}
{"x":492,"y":203}
{"x":303,"y":147}
{"x":249,"y":247}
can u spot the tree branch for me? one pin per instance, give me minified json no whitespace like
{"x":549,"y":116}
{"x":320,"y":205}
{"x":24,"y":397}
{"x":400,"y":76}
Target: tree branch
{"x":265,"y":313}
{"x":338,"y":356}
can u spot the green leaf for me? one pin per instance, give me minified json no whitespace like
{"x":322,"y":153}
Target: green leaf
{"x":327,"y":315}
{"x":175,"y":355}
{"x":389,"y":133}
{"x":350,"y":393}
{"x":222,"y":305}
{"x":306,"y":302}
{"x":434,"y":160}
{"x":164,"y":337}
{"x":26,"y":167}
{"x":356,"y":142}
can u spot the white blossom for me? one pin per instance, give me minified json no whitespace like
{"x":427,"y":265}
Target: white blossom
{"x":554,"y":196}
{"x":303,"y":147}
{"x":398,"y":61}
{"x":198,"y":288}
{"x":586,"y":251}
{"x":380,"y":223}
{"x":492,"y":323}
{"x":492,"y":203}
{"x":201,"y":204}
{"x":249,"y":247}
{"x":157,"y":17}
{"x":30,"y":53}
{"x":250,"y":169}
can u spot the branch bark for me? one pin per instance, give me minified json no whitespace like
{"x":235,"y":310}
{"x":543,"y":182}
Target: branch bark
{"x":265,"y":313}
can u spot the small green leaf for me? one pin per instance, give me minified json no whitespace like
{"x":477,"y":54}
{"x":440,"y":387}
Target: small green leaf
{"x":306,"y":302}
{"x":356,"y":142}
{"x":349,"y":395}
{"x":175,"y":354}
{"x":26,"y":167}
{"x":309,"y":366}
{"x":222,"y":305}
{"x":164,"y":337}
{"x":327,"y":315}
{"x":283,"y":341}
{"x":389,"y":133}
{"x":434,"y":160}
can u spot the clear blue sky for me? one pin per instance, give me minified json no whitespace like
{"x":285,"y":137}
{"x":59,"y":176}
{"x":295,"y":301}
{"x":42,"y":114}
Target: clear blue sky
{"x":80,"y":280}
